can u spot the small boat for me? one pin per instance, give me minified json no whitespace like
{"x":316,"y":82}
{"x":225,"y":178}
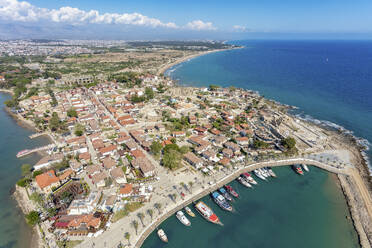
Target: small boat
{"x":163,"y":237}
{"x":21,"y":153}
{"x":244,"y":182}
{"x":225,"y":194}
{"x":231,"y":191}
{"x":207,"y":212}
{"x":264,"y":172}
{"x":271,"y":172}
{"x":221,"y":201}
{"x":298,"y":169}
{"x":249,"y":178}
{"x":182,"y":218}
{"x":189,"y":211}
{"x":259,"y":174}
{"x":305,"y":167}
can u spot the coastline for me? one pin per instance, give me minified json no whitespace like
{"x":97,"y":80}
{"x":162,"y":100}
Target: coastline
{"x":166,"y":67}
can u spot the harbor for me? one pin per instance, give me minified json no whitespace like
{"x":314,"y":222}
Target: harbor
{"x":270,"y":208}
{"x":226,"y":180}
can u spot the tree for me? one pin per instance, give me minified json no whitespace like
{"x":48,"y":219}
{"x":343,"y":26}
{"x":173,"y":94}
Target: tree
{"x":33,"y":218}
{"x":52,"y":212}
{"x":54,"y":122}
{"x":289,"y":143}
{"x":79,"y":129}
{"x":36,"y":173}
{"x":158,"y":207}
{"x":172,"y":159}
{"x":140,"y":215}
{"x":135,"y":225}
{"x":36,"y":197}
{"x":260,"y":144}
{"x":184,"y":149}
{"x":26,"y":170}
{"x":191,"y":184}
{"x":213,"y":87}
{"x":155,"y":147}
{"x":72,"y":113}
{"x":23,"y":182}
{"x":150,"y":212}
{"x":127,"y":237}
{"x":149,"y":93}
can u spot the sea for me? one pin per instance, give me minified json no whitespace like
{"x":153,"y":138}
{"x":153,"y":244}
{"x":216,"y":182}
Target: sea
{"x":14,"y":232}
{"x":330,"y":83}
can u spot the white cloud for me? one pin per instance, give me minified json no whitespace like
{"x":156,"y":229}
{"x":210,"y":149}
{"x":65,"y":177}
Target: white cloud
{"x":200,"y":25}
{"x":239,"y":28}
{"x":15,"y":10}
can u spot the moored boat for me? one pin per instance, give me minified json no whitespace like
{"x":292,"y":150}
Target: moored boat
{"x":271,"y":172}
{"x":264,"y":172}
{"x":182,"y":218}
{"x":259,"y":174}
{"x":249,"y":178}
{"x":221,"y":201}
{"x":225,"y":194}
{"x":207,"y":212}
{"x":306,"y":168}
{"x":244,"y":182}
{"x":189,"y":211}
{"x":21,"y":153}
{"x":231,"y":191}
{"x":298,"y":169}
{"x":163,"y":237}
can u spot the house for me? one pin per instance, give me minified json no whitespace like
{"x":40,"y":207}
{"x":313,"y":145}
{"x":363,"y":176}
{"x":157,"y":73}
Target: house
{"x":224,"y":161}
{"x":47,"y":181}
{"x":76,"y":166}
{"x":48,"y":160}
{"x":146,"y":167}
{"x":219,"y":141}
{"x":210,"y":155}
{"x":67,"y":174}
{"x":192,"y":159}
{"x":234,"y":147}
{"x":84,"y":205}
{"x":126,"y":190}
{"x":178,"y":134}
{"x":228,"y":153}
{"x":108,"y":150}
{"x":108,"y":163}
{"x":243,"y":141}
{"x":118,"y":176}
{"x":137,"y":153}
{"x":84,"y":157}
{"x":99,"y":179}
{"x":88,"y":222}
{"x":131,"y":145}
{"x":108,"y":203}
{"x":92,"y":169}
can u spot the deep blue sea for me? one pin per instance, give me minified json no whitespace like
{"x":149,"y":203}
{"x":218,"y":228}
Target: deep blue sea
{"x":327,"y":80}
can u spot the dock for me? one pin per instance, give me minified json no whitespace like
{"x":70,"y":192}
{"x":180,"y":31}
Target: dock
{"x":35,"y":135}
{"x":37,"y":149}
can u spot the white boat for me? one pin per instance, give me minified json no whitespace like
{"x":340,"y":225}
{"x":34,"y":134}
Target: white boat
{"x":189,"y":211}
{"x":271,"y":172}
{"x":182,"y":218}
{"x":264,"y":172}
{"x":249,"y":178}
{"x":244,"y":182}
{"x":259,"y":174}
{"x":162,"y":235}
{"x":305,"y":167}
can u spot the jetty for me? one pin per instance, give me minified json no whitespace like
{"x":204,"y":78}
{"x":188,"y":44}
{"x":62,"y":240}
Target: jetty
{"x":35,"y":135}
{"x":37,"y":149}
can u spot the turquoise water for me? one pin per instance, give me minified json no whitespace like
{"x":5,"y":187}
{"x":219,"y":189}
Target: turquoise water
{"x":289,"y":211}
{"x":14,"y":232}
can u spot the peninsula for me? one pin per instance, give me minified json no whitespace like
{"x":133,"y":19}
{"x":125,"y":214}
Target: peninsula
{"x":130,"y":147}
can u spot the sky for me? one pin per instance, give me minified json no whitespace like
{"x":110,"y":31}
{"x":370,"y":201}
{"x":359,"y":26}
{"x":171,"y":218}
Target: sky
{"x":180,"y":19}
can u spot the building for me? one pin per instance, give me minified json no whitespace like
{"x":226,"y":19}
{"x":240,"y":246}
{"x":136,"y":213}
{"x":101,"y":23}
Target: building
{"x":47,"y":181}
{"x":48,"y":160}
{"x":118,"y":176}
{"x":192,"y":159}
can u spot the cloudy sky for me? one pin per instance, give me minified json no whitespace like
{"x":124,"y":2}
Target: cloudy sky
{"x":191,"y":19}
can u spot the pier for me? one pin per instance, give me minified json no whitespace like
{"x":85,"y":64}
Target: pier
{"x":37,"y":149}
{"x":35,"y":135}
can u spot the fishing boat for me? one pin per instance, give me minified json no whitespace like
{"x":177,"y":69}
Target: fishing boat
{"x":221,"y":201}
{"x":249,"y":178}
{"x":225,"y":194}
{"x":298,"y":169}
{"x":189,"y":211}
{"x":259,"y":174}
{"x":182,"y":218}
{"x":231,"y":191}
{"x":244,"y":182}
{"x":207,"y":213}
{"x":305,"y":167}
{"x":163,"y":237}
{"x":271,"y":172}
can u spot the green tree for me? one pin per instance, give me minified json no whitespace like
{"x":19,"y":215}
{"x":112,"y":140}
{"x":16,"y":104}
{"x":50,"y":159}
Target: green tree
{"x":140,"y":215}
{"x":54,"y":122}
{"x":184,"y":149}
{"x":32,"y":218}
{"x":37,"y":198}
{"x":79,"y":129}
{"x":127,"y":237}
{"x":150,"y":212}
{"x":172,"y":159}
{"x":72,"y":113}
{"x":52,"y":212}
{"x":26,"y":170}
{"x":36,"y":173}
{"x":149,"y":93}
{"x":135,"y":225}
{"x":23,"y":182}
{"x":289,"y":143}
{"x":155,"y":147}
{"x":158,"y":207}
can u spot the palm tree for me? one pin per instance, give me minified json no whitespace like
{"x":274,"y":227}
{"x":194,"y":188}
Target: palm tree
{"x":150,"y":212}
{"x":158,"y":207}
{"x":191,"y":184}
{"x":135,"y":225}
{"x":140,"y":215}
{"x":174,"y":196}
{"x":127,"y":237}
